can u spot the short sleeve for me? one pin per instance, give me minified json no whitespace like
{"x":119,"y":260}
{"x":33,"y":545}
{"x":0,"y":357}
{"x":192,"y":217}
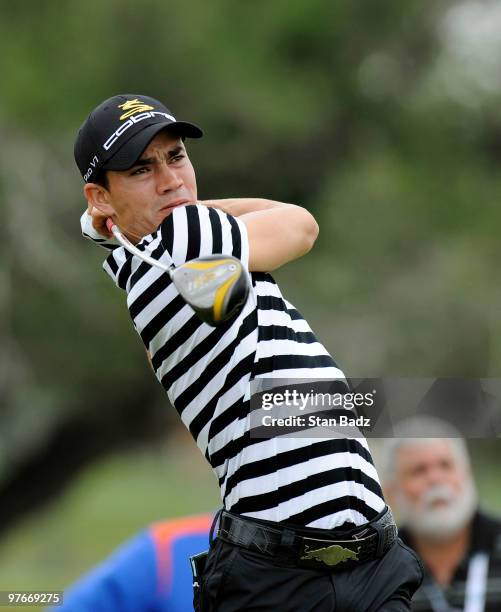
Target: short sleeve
{"x":198,"y":230}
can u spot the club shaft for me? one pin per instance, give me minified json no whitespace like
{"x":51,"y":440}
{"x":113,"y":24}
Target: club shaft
{"x":125,"y":242}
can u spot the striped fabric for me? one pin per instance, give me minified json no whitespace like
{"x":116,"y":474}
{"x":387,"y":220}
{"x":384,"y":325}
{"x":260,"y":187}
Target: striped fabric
{"x":206,"y":372}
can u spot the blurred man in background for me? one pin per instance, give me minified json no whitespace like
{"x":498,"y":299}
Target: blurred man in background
{"x":429,"y":483}
{"x":149,"y":573}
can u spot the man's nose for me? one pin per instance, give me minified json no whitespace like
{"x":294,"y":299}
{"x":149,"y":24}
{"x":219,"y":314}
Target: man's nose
{"x":435,"y":475}
{"x":167,"y":178}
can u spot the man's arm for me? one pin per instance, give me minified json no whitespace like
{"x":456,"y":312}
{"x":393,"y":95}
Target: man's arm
{"x":278,"y":232}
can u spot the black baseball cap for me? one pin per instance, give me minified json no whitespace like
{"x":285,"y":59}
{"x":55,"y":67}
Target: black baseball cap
{"x":118,"y":130}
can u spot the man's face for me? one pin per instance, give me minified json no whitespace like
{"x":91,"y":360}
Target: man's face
{"x":162,"y":179}
{"x":433,"y":490}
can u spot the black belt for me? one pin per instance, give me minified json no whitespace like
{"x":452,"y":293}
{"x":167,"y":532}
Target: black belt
{"x":308,"y":547}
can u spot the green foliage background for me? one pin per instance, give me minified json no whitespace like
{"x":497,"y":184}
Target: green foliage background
{"x":383,"y":118}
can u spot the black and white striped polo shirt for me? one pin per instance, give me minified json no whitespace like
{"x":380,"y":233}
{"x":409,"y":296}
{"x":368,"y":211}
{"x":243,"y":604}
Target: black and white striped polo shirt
{"x":206,"y":372}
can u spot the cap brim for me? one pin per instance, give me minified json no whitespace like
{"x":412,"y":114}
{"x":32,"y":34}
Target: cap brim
{"x":130,"y":152}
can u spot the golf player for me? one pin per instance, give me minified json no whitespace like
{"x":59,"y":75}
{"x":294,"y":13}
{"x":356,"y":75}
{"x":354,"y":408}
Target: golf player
{"x":304,"y":525}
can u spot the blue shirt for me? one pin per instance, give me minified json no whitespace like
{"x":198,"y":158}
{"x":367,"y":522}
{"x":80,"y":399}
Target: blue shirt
{"x":149,"y":573}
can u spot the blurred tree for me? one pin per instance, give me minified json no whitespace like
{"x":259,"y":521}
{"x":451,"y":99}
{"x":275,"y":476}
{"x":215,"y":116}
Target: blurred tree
{"x":367,"y":113}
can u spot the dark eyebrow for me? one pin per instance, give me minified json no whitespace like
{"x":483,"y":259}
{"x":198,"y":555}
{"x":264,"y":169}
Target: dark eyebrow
{"x":147,"y":161}
{"x":175,"y":151}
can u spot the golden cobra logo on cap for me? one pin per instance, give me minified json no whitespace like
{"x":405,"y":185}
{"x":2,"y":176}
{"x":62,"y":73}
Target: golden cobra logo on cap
{"x":131,"y":107}
{"x":135,"y":112}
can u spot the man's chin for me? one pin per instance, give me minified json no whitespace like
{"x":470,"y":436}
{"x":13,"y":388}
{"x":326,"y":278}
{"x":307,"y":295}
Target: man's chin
{"x":444,"y":521}
{"x":440,"y":524}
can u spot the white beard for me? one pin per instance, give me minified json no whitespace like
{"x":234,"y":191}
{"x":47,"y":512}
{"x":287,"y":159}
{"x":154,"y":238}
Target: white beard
{"x":444,"y":521}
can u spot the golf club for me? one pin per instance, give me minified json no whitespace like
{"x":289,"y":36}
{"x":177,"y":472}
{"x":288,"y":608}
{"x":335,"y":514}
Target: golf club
{"x":215,"y":286}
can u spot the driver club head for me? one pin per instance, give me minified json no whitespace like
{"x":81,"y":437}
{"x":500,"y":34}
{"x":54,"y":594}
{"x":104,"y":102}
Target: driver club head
{"x":216,"y":286}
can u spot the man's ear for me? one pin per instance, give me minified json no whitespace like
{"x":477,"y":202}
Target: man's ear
{"x":98,"y":197}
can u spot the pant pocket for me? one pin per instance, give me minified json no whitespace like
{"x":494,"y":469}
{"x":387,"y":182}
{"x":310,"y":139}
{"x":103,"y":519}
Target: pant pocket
{"x":392,"y":579}
{"x":416,"y":559}
{"x":214,"y":578}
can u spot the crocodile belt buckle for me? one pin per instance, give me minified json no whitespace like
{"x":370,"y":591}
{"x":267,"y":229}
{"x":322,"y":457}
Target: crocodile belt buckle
{"x":330,"y":555}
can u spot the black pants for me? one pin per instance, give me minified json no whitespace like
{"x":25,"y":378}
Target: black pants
{"x":238,"y":580}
